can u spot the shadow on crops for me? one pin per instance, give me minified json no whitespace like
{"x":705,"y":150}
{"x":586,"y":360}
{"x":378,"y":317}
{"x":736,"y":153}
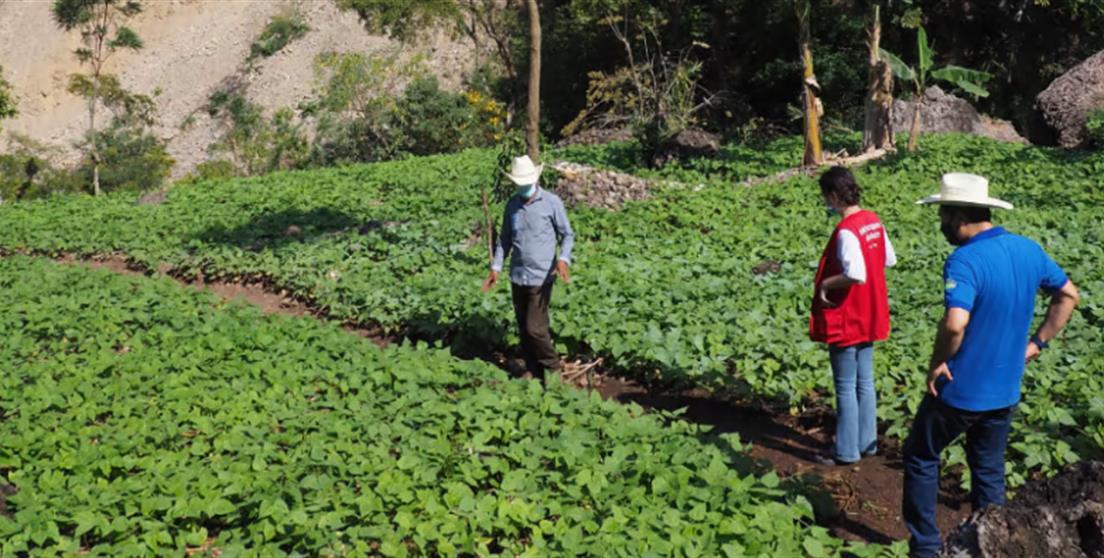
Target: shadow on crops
{"x":758,"y":425}
{"x":274,"y":230}
{"x":758,"y":428}
{"x":474,"y":335}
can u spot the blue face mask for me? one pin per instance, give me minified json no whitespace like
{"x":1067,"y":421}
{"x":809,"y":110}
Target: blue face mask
{"x":526,"y":192}
{"x":832,"y":212}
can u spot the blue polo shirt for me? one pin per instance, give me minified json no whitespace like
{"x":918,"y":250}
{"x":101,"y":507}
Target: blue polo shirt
{"x":996,"y":277}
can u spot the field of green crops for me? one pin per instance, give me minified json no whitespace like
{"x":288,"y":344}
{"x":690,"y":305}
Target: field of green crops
{"x":664,"y":289}
{"x":142,"y":418}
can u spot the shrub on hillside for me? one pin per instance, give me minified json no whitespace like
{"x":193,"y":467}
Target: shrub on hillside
{"x":215,"y":169}
{"x":30,"y":169}
{"x":253,"y":142}
{"x":131,"y":159}
{"x":281,"y":30}
{"x":438,"y":121}
{"x":362,"y":117}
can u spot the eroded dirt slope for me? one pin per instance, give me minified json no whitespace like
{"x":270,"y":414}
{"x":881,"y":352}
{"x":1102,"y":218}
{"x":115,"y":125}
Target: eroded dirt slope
{"x":191,"y":46}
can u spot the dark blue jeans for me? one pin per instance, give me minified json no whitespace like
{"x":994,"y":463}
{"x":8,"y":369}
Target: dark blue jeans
{"x":935,"y":427}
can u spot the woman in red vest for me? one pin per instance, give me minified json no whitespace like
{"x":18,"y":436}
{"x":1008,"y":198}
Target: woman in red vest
{"x":851,"y":311}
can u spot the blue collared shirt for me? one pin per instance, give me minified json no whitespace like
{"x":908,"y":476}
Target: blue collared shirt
{"x":530,"y":232}
{"x":996,"y":277}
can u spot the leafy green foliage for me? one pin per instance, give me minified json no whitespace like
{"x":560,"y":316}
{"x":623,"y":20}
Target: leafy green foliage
{"x":253,"y":142}
{"x":102,"y":34}
{"x":130,"y":109}
{"x":133,"y":159}
{"x":970,"y":81}
{"x":900,"y":68}
{"x":1094,"y":126}
{"x":29,"y":169}
{"x":665,"y":289}
{"x":280,"y":31}
{"x":437,"y":121}
{"x":7,"y":98}
{"x":403,"y":19}
{"x":73,"y":14}
{"x":142,"y":419}
{"x":362,"y":119}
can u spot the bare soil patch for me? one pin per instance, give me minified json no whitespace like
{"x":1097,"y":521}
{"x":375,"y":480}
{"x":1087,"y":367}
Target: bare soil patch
{"x":1059,"y":517}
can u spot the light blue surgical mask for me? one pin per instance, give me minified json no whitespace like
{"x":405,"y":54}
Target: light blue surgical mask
{"x":526,"y":192}
{"x":832,"y":212}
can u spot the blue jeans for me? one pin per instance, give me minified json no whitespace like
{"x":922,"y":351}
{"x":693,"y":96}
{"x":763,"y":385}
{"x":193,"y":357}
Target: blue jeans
{"x":935,"y":427}
{"x":856,"y":401}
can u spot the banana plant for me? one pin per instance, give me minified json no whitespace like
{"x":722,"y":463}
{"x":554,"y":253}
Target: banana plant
{"x":970,"y":81}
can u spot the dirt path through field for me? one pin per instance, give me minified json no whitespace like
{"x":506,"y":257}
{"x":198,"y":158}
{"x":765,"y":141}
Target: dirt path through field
{"x":865,"y":498}
{"x":859,"y":502}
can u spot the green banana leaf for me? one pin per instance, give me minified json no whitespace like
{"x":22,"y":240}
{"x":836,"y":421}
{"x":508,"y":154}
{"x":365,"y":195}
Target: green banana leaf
{"x":970,"y":81}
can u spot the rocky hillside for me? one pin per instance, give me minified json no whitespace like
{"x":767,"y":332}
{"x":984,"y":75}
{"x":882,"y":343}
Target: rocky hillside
{"x":191,"y":46}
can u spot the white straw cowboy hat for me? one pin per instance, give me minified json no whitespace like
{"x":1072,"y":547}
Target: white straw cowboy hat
{"x":523,"y":172}
{"x":959,"y":188}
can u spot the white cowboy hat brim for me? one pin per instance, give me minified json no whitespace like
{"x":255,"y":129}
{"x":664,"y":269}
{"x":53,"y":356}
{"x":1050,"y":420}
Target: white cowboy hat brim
{"x":970,"y":202}
{"x":526,"y":178}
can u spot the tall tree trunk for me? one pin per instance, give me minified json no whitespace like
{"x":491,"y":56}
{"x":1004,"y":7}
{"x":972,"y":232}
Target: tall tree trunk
{"x":914,"y":130}
{"x":100,"y":37}
{"x":813,"y":155}
{"x":532,"y":131}
{"x":92,"y":133}
{"x":878,"y":128}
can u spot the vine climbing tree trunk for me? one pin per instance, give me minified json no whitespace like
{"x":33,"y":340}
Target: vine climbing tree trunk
{"x":878,"y":128}
{"x":532,"y":131}
{"x":810,"y":89}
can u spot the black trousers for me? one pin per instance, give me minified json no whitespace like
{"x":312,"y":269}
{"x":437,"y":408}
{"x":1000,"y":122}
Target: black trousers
{"x":531,"y":310}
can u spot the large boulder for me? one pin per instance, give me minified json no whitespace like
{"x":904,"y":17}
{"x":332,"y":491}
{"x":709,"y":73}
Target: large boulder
{"x":1062,"y":517}
{"x":1067,"y":102}
{"x":599,"y":136}
{"x":944,"y":112}
{"x":687,"y":144}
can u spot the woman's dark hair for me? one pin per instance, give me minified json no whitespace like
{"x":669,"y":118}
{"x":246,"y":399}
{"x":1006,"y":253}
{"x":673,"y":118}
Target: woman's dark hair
{"x":839,"y":184}
{"x":968,"y":214}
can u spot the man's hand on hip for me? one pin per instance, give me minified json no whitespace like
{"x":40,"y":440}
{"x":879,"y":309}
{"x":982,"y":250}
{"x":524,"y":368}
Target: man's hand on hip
{"x":491,"y":281}
{"x":561,"y":270}
{"x":1032,"y":352}
{"x":933,"y":377}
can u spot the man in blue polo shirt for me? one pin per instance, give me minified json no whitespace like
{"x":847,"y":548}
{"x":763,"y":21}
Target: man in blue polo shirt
{"x":981,"y":349}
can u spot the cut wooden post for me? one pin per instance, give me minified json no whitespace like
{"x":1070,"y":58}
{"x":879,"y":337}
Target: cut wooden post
{"x":810,"y":90}
{"x":878,"y":127}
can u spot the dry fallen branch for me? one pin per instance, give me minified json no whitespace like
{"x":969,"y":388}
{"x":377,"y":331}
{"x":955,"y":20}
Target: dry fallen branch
{"x":839,"y":159}
{"x":579,"y":374}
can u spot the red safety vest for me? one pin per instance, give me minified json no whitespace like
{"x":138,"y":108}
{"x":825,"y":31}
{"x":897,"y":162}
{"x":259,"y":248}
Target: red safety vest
{"x":862,"y":311}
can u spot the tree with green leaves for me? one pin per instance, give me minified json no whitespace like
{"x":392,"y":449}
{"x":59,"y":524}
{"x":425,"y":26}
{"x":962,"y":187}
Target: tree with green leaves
{"x":497,"y":19}
{"x":103,"y":33}
{"x":7,"y":98}
{"x":970,"y":81}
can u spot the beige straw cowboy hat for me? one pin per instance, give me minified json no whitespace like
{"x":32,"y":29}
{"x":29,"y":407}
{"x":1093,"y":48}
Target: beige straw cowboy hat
{"x":959,"y":188}
{"x":523,"y":172}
